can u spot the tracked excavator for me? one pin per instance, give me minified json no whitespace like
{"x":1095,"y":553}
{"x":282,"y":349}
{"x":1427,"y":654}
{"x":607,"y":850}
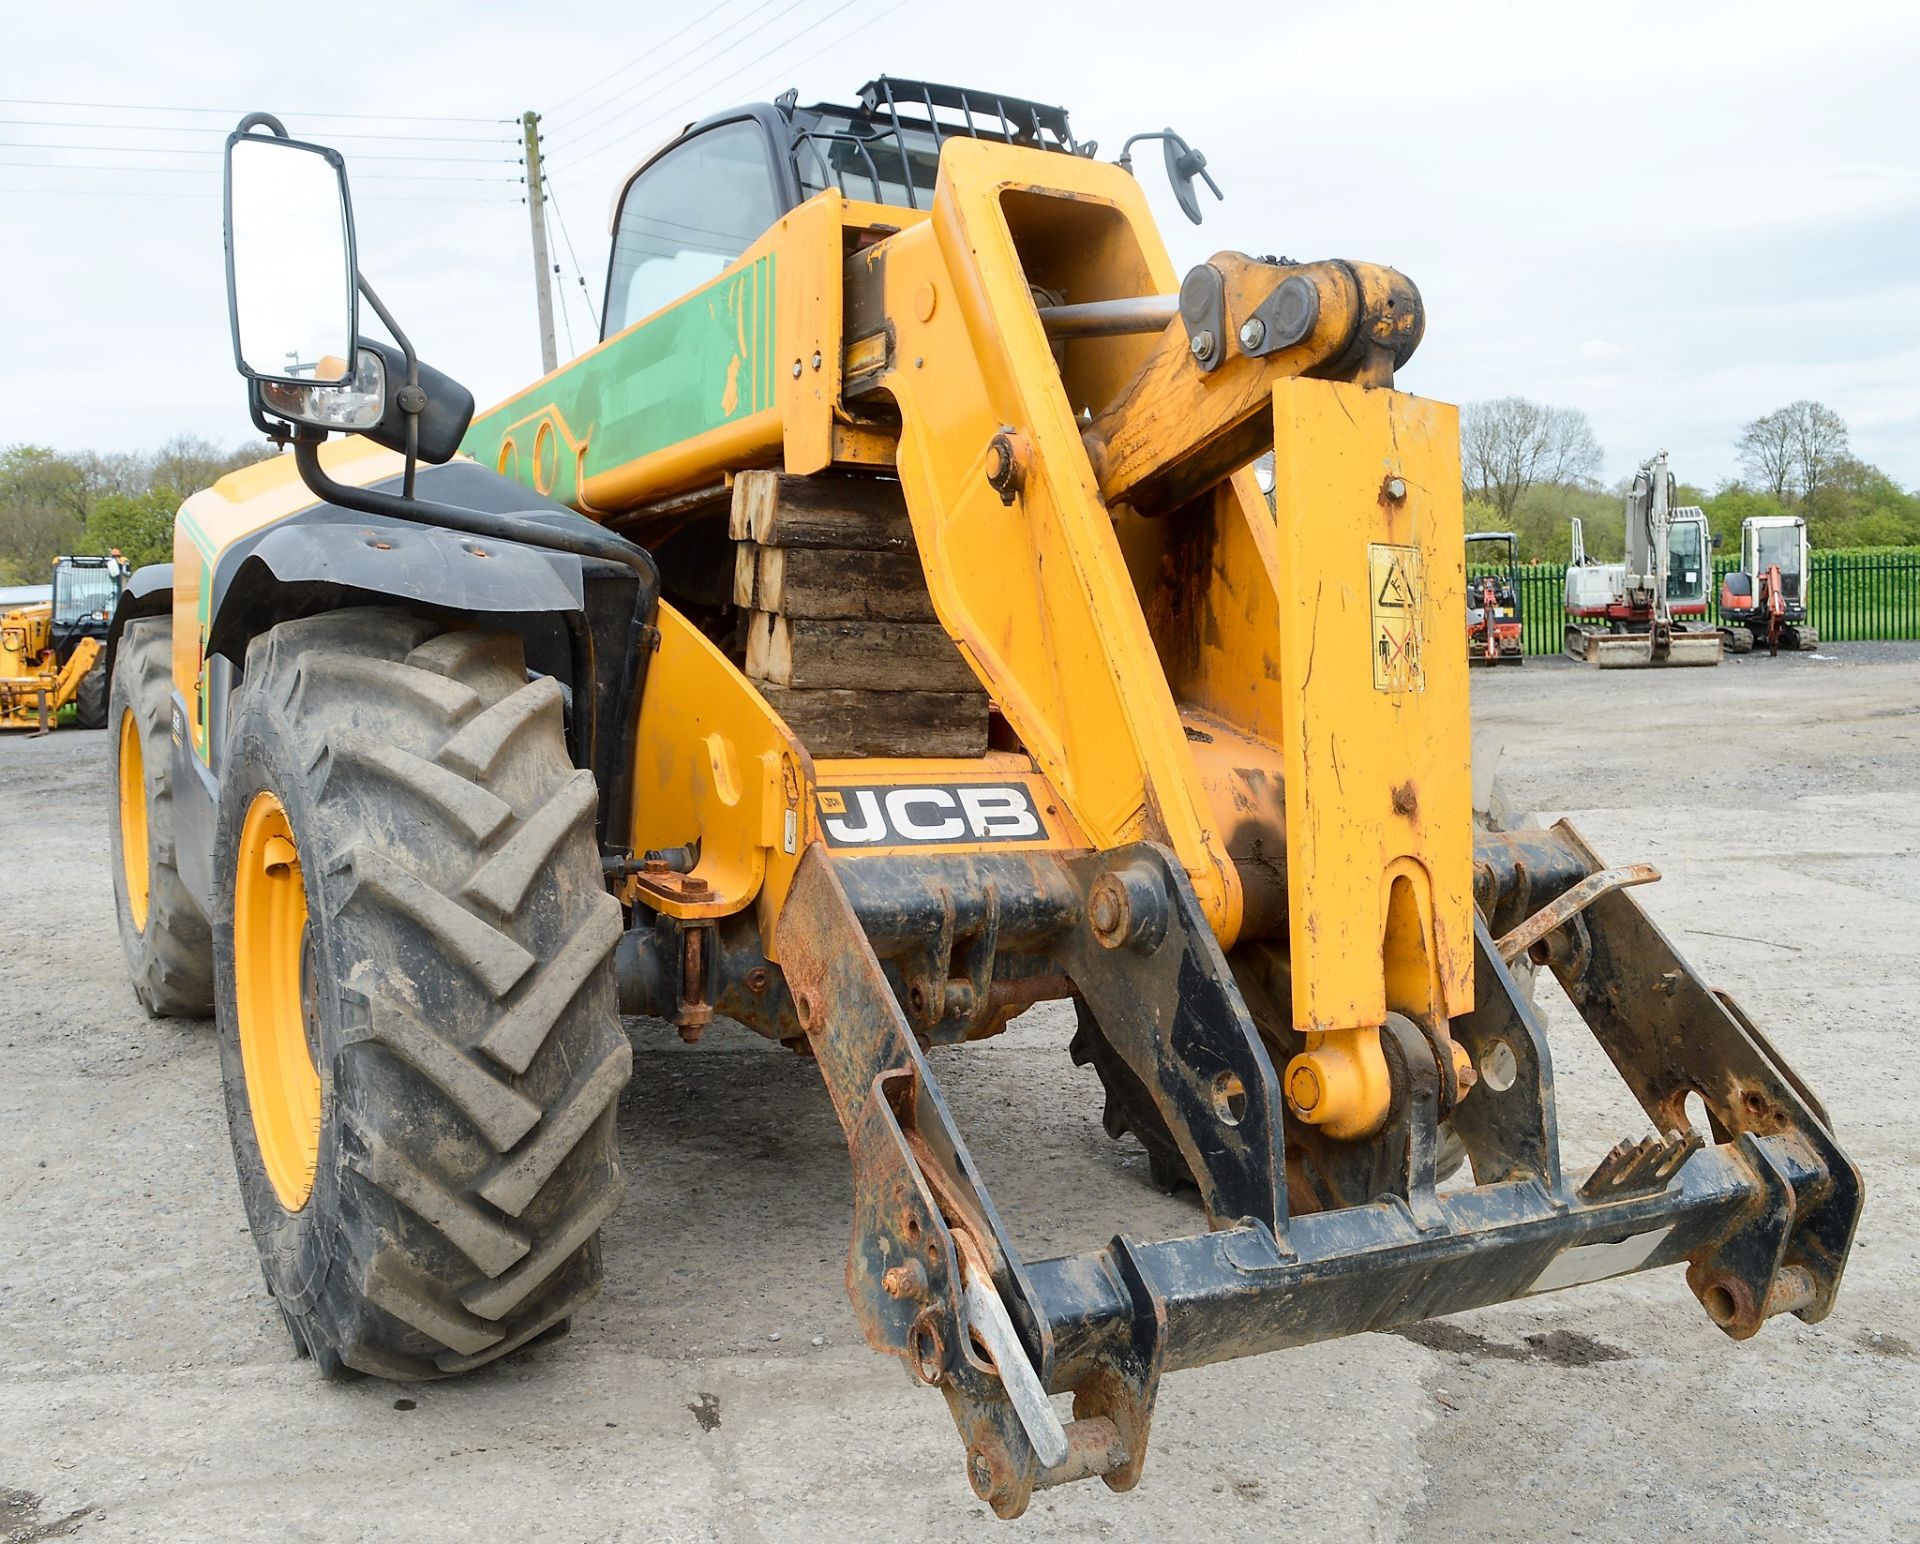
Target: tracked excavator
{"x":1766,"y":600}
{"x":1651,"y":608}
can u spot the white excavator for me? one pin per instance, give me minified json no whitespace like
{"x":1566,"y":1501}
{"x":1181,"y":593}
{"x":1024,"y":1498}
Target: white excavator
{"x":1650,"y":609}
{"x":1766,"y":599}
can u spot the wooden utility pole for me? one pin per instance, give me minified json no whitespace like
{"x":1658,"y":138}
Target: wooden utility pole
{"x":542,"y":264}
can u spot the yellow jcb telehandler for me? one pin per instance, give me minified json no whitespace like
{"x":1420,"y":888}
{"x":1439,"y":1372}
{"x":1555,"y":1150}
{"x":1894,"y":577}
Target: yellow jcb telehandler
{"x":53,"y":652}
{"x":878,"y":632}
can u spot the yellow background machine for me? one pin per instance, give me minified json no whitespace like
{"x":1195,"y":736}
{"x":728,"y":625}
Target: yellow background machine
{"x":51,"y":651}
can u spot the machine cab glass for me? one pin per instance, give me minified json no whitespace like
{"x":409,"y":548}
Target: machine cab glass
{"x":1771,"y":546}
{"x":85,"y":592}
{"x":688,"y":215}
{"x":1687,"y":560}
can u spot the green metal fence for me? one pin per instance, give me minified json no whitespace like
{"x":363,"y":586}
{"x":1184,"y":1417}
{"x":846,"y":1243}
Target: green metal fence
{"x":1857,"y":596}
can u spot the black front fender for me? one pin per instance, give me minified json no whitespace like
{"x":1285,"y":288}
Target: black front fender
{"x":148,"y":593}
{"x":337,"y":560}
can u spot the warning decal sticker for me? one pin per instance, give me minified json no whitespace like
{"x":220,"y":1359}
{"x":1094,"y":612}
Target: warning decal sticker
{"x":1394,"y":583}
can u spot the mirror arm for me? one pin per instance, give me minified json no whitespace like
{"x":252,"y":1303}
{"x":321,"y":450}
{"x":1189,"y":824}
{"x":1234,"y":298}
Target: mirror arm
{"x":601,"y":544}
{"x":262,"y":121}
{"x":595,"y":543}
{"x":1126,"y":152}
{"x":411,"y":399}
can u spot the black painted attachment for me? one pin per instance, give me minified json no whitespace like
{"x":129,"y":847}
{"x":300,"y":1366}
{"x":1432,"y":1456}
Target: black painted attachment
{"x":1762,"y":1205}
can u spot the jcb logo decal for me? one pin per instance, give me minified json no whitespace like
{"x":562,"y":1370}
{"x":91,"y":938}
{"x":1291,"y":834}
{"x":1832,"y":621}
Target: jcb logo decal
{"x":929,"y":816}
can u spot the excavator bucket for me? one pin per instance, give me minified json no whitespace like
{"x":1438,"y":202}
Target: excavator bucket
{"x":1637,"y":651}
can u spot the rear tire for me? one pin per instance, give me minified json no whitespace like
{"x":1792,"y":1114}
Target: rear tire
{"x":454,"y":992}
{"x":90,"y":700}
{"x":166,"y":939}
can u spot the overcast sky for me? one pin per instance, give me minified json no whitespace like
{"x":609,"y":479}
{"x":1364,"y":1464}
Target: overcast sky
{"x":1673,"y":216}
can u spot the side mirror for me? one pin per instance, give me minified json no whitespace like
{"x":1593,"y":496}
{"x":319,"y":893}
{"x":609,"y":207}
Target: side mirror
{"x":293,"y":294}
{"x":1716,"y":542}
{"x":1184,"y":163}
{"x":292,"y":281}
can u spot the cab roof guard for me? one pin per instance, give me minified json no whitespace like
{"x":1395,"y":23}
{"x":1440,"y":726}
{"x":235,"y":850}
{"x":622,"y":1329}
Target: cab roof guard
{"x":968,"y":114}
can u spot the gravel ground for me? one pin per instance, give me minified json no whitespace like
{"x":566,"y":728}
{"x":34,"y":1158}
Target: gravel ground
{"x":717,"y":1390}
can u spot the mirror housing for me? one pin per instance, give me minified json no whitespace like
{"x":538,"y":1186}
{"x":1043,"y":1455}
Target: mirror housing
{"x":1184,"y":163}
{"x":443,"y":417}
{"x":292,"y":278}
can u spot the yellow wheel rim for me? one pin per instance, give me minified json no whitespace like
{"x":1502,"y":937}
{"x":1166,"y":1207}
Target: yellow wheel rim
{"x":273,"y":1000}
{"x":133,"y":819}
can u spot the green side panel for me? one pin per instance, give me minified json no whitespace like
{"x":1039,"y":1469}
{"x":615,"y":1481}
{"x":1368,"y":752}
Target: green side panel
{"x":204,"y":545}
{"x":702,"y":363}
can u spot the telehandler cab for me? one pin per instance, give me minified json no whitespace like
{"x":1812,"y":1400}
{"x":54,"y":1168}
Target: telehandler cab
{"x":881,"y":631}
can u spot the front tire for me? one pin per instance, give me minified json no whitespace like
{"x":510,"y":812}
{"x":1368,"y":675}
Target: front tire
{"x":90,"y":698}
{"x":167,"y":941}
{"x":418,"y":1031}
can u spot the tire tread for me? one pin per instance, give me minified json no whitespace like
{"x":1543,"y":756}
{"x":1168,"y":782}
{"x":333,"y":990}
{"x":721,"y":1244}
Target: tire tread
{"x":479,"y":1126}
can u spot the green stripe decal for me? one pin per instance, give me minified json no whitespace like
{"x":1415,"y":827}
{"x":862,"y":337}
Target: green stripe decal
{"x":704,"y":362}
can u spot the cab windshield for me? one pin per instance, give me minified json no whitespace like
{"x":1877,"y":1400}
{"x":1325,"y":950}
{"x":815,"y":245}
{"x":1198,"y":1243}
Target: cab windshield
{"x":1777,"y":545}
{"x":80,"y":592}
{"x":1686,"y":579}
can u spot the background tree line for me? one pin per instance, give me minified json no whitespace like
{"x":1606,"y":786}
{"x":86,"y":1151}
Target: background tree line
{"x":1527,"y":467}
{"x":53,"y":502}
{"x":1531,"y":468}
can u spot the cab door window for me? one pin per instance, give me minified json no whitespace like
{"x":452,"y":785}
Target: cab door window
{"x":1686,"y":569}
{"x":687,"y":216}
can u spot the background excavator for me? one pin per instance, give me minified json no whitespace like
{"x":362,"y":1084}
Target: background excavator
{"x":879,"y":631}
{"x":52,"y":652}
{"x":1651,"y":608}
{"x":1495,"y":626}
{"x":1765,"y":600}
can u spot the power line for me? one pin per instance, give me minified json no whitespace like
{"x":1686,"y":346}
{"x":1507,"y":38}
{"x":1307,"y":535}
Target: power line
{"x":642,"y":58}
{"x":196,"y":128}
{"x":588,"y":155}
{"x":214,"y":193}
{"x":586,"y":125}
{"x":236,"y":112}
{"x":359,"y":155}
{"x":195,"y":171}
{"x":585,"y":294}
{"x":566,"y":316}
{"x":858,"y":27}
